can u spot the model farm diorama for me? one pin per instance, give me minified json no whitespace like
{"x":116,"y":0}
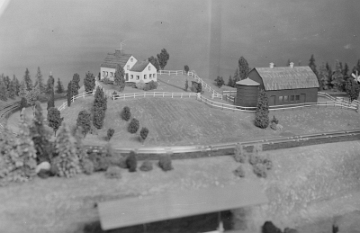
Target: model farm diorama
{"x":136,"y":131}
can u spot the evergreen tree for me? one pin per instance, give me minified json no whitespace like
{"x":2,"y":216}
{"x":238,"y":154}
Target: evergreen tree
{"x":59,"y":87}
{"x":32,"y":96}
{"x":133,"y":126}
{"x":230,"y":82}
{"x":6,"y":80}
{"x":236,"y":76}
{"x":51,"y":101}
{"x":186,"y":85}
{"x":22,"y":89}
{"x":75,"y":84}
{"x":23,"y":103}
{"x":219,"y":81}
{"x":28,"y":81}
{"x":50,"y":84}
{"x":84,"y":120}
{"x":69,"y":94}
{"x":324,"y":77}
{"x":39,"y":81}
{"x":153,"y":60}
{"x":99,"y":108}
{"x":345,"y":71}
{"x":243,"y":68}
{"x":337,"y":79}
{"x":126,"y":114}
{"x":89,"y":82}
{"x":144,"y":133}
{"x":54,"y":118}
{"x":17,"y":85}
{"x":163,"y":58}
{"x":67,"y":162}
{"x":352,"y":88}
{"x":262,"y":111}
{"x":329,"y":75}
{"x":186,"y":69}
{"x":119,"y":79}
{"x":12,"y":89}
{"x":313,"y":68}
{"x":3,"y":90}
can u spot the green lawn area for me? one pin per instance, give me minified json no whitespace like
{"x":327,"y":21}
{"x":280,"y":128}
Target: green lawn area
{"x":302,"y":180}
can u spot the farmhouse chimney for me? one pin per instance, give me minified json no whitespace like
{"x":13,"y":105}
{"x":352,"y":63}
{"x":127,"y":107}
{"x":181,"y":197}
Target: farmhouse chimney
{"x":271,"y":65}
{"x":291,"y":64}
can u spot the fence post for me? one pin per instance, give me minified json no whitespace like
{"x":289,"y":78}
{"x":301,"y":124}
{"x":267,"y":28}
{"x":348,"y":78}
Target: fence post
{"x":154,"y":93}
{"x":134,"y":95}
{"x":144,"y":94}
{"x":163,"y":94}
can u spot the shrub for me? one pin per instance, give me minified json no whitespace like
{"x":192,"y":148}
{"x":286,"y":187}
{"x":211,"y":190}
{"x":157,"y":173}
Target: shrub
{"x":126,"y":114}
{"x":110,"y":133}
{"x":262,"y":111}
{"x":146,"y":166}
{"x":147,"y":87}
{"x":239,"y":154}
{"x":290,"y":230}
{"x":133,"y":126}
{"x":113,"y":172}
{"x":87,"y":166}
{"x":23,"y":103}
{"x":153,"y":85}
{"x":84,"y":120}
{"x":269,"y":227}
{"x":275,"y":120}
{"x":254,"y":159}
{"x":239,"y":172}
{"x":186,"y":69}
{"x":117,"y":160}
{"x":131,"y":162}
{"x":101,"y":163}
{"x":199,"y":88}
{"x":107,"y":81}
{"x":140,"y":85}
{"x":260,"y":170}
{"x":165,"y":163}
{"x":268,"y":163}
{"x":144,"y":133}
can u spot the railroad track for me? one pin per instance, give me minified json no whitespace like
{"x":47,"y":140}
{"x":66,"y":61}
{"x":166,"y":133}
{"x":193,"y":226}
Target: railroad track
{"x":232,"y":145}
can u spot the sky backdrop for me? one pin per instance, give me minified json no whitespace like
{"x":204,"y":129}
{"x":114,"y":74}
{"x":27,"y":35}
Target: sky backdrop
{"x":74,"y":36}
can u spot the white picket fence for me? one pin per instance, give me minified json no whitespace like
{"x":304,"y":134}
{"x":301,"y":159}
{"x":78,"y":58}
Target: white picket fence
{"x":155,"y":94}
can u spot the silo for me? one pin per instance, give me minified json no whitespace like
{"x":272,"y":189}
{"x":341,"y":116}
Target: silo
{"x":247,"y":92}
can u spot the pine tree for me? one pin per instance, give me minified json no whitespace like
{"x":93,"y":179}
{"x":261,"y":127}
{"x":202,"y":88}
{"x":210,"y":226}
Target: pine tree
{"x":75,"y":84}
{"x":133,"y":126}
{"x":337,"y":79}
{"x":22,"y":89}
{"x":12,"y":89}
{"x":51,"y":101}
{"x":243,"y":68}
{"x":313,"y":68}
{"x":28,"y":81}
{"x":345,"y":71}
{"x":126,"y":114}
{"x":324,"y":77}
{"x":144,"y":133}
{"x":67,"y":162}
{"x":99,"y":108}
{"x":50,"y":84}
{"x":17,"y":85}
{"x":230,"y":82}
{"x":39,"y":81}
{"x":54,"y":118}
{"x":32,"y":96}
{"x":59,"y":87}
{"x":89,"y":82}
{"x":3,"y":90}
{"x":84,"y":120}
{"x":236,"y":76}
{"x":329,"y":75}
{"x":119,"y":79}
{"x":6,"y":80}
{"x":154,"y":61}
{"x":163,"y":58}
{"x":69,"y":94}
{"x":262,"y":111}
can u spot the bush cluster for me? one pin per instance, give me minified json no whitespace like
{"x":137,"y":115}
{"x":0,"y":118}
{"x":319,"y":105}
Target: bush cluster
{"x":107,"y":81}
{"x":150,"y":86}
{"x":133,"y":126}
{"x":126,"y":114}
{"x":110,"y":133}
{"x":146,"y":166}
{"x":131,"y":162}
{"x":140,"y":85}
{"x":165,"y":163}
{"x":239,"y":154}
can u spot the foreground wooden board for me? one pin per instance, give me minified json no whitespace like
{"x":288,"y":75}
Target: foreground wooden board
{"x":170,"y":205}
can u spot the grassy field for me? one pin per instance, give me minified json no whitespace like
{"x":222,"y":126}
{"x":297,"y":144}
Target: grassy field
{"x":304,"y":189}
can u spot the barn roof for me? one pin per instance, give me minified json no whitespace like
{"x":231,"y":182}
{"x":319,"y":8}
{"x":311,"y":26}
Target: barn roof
{"x":113,"y":59}
{"x":280,"y":78}
{"x":247,"y":82}
{"x":172,"y":204}
{"x":140,"y":66}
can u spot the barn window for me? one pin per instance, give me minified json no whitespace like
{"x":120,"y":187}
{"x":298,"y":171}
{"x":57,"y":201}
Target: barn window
{"x":297,"y":97}
{"x":292,"y":98}
{"x":149,"y":76}
{"x":280,"y":98}
{"x":285,"y":98}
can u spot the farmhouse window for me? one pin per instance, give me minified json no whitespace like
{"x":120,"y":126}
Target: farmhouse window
{"x":292,"y":98}
{"x":137,"y":77}
{"x":285,"y":98}
{"x":280,"y":98}
{"x":144,"y":76}
{"x":132,"y":76}
{"x":149,"y":67}
{"x":111,"y":74}
{"x":104,"y":74}
{"x":297,"y":97}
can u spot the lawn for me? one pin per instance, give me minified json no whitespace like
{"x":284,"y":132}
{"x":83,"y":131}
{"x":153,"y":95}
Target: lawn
{"x":301,"y":184}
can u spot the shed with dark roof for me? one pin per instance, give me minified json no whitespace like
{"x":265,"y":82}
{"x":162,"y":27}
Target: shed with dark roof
{"x":287,"y":85}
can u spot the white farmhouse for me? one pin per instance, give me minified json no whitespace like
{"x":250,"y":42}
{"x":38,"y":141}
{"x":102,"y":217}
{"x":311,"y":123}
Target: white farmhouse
{"x":134,"y":70}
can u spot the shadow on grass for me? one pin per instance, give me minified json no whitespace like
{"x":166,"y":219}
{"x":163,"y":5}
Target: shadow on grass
{"x":180,"y":88}
{"x":193,"y":224}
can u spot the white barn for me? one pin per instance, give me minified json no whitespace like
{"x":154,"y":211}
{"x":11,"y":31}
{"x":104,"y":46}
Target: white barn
{"x":134,"y":70}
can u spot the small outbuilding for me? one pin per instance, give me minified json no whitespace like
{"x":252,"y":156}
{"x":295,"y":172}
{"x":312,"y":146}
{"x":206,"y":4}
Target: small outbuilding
{"x":247,"y":93}
{"x":283,"y":85}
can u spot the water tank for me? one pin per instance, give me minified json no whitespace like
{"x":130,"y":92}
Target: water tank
{"x":247,"y":92}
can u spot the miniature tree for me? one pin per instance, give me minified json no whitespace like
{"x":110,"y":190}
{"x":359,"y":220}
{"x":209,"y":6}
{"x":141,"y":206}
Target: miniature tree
{"x":23,"y":103}
{"x":133,"y":126}
{"x":146,"y":166}
{"x":67,"y":162}
{"x":99,"y":108}
{"x":165,"y":163}
{"x":219,"y":81}
{"x":6,"y":81}
{"x":50,"y":84}
{"x":3,"y":91}
{"x":313,"y":68}
{"x":59,"y":87}
{"x":262,"y":111}
{"x":144,"y":133}
{"x":98,"y":117}
{"x":126,"y":114}
{"x":84,"y":120}
{"x":39,"y":81}
{"x":75,"y":84}
{"x":17,"y":85}
{"x":131,"y":162}
{"x":239,"y":154}
{"x":78,"y":134}
{"x":119,"y":79}
{"x":69,"y":94}
{"x":352,"y":88}
{"x":230,"y":82}
{"x":51,"y":101}
{"x":28,"y":81}
{"x":22,"y":89}
{"x":243,"y":68}
{"x":89,"y":82}
{"x":186,"y":69}
{"x":12,"y":89}
{"x":154,"y":61}
{"x":110,"y":133}
{"x":163,"y":58}
{"x":337,"y":77}
{"x":54,"y":119}
{"x":186,"y":85}
{"x":32,"y":96}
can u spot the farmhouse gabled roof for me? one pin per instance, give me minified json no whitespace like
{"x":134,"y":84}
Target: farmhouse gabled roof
{"x":114,"y":59}
{"x":139,"y":66}
{"x":280,"y":78}
{"x":247,"y":82}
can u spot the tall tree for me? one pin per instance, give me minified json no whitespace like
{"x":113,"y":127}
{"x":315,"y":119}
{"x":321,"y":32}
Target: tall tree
{"x":6,"y":80}
{"x":84,"y":120}
{"x":22,"y":89}
{"x":3,"y":90}
{"x":163,"y":58}
{"x":89,"y":82}
{"x":32,"y":96}
{"x":12,"y":89}
{"x":345,"y":71}
{"x":59,"y":87}
{"x":243,"y":68}
{"x":119,"y":79}
{"x":236,"y":76}
{"x":153,"y":60}
{"x":337,"y":79}
{"x":54,"y":118}
{"x":324,"y":77}
{"x":51,"y":101}
{"x":329,"y":74}
{"x":17,"y":85}
{"x":50,"y":84}
{"x":99,"y":108}
{"x":352,"y":88}
{"x":262,"y":111}
{"x":76,"y":84}
{"x":28,"y":81}
{"x":230,"y":82}
{"x":39,"y":80}
{"x":69,"y":94}
{"x":313,"y":68}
